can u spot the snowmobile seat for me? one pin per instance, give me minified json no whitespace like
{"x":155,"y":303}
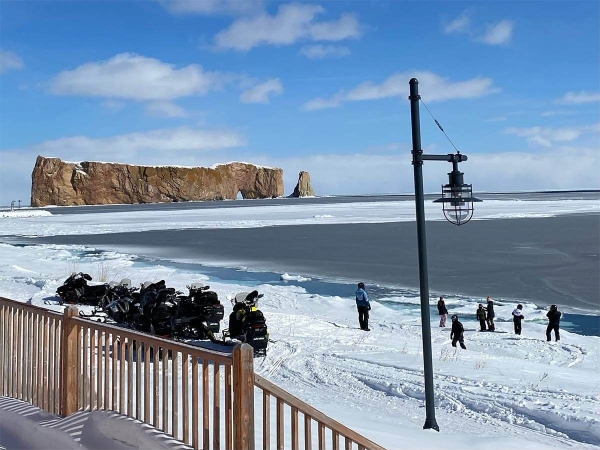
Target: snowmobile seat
{"x":206,"y":298}
{"x":255,"y":319}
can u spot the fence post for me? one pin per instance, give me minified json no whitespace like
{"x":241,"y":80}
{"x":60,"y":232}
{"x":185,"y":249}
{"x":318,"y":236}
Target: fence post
{"x":69,"y":371}
{"x":3,"y":347}
{"x":243,"y":397}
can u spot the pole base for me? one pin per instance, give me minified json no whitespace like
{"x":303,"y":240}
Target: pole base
{"x":431,"y":424}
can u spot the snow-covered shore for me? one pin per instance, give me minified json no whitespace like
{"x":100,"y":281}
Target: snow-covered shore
{"x":505,"y":391}
{"x":279,"y":215}
{"x":25,"y":212}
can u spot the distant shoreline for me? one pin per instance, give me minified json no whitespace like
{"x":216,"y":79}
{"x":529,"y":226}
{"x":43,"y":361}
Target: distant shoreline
{"x":325,"y":196}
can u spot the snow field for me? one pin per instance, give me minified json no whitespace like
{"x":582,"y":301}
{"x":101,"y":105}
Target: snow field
{"x":505,"y":390}
{"x":277,"y":215}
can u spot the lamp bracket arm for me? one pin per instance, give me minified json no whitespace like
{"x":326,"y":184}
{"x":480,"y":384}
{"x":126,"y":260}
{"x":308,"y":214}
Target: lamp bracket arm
{"x":451,"y":157}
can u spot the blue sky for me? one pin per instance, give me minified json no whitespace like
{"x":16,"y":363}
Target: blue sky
{"x":317,"y":86}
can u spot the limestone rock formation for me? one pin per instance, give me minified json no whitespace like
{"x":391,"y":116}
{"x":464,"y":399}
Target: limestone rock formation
{"x":303,"y":188}
{"x":56,"y":182}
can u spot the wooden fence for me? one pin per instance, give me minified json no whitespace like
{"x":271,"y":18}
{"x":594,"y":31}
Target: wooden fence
{"x":30,"y":354}
{"x":63,"y":363}
{"x":326,"y":434}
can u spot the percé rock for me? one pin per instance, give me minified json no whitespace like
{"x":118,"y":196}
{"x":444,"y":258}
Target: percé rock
{"x":303,"y":188}
{"x":56,"y":182}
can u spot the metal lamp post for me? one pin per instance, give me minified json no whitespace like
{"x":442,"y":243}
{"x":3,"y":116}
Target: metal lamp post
{"x":457,"y":203}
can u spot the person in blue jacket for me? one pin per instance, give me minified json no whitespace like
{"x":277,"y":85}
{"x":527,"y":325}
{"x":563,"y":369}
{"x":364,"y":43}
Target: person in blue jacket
{"x":363,"y":306}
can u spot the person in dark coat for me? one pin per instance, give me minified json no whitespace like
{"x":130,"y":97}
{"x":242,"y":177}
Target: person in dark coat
{"x":442,"y":311}
{"x":457,"y":333}
{"x":481,"y":315}
{"x":490,"y":315}
{"x":553,"y":322}
{"x":517,"y":318}
{"x":363,"y":306}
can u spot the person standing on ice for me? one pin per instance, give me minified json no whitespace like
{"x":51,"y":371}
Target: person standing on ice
{"x":490,"y":315}
{"x":363,"y":306}
{"x":442,"y":311}
{"x":517,"y":317}
{"x":553,"y":323}
{"x":457,"y":332}
{"x":481,"y":317}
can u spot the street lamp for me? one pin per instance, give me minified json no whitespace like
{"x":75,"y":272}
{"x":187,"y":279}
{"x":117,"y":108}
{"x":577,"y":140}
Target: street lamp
{"x":457,"y":201}
{"x":457,"y":197}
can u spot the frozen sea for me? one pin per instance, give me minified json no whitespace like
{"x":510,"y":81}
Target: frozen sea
{"x":541,"y":248}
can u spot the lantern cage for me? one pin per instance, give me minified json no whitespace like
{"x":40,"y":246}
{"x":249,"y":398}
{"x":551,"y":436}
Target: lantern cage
{"x":457,"y":199}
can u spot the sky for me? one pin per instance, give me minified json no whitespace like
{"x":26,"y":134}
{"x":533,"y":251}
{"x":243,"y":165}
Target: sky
{"x":316,"y":86}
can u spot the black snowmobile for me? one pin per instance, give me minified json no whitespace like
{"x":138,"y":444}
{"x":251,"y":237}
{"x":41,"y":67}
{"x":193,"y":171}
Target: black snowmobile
{"x":154,"y":311}
{"x":247,"y":323}
{"x":75,"y":290}
{"x":197,"y":315}
{"x":125,"y":302}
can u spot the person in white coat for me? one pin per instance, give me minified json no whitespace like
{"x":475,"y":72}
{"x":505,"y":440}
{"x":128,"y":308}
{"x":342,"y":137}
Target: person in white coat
{"x":517,"y":318}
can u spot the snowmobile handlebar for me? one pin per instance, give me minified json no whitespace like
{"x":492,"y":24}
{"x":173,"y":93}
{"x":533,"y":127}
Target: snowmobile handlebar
{"x":198,"y":288}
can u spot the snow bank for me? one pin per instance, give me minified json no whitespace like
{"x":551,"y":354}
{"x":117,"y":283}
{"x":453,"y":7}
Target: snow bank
{"x":214,"y":166}
{"x":287,"y":277}
{"x":26,"y":426}
{"x":24,"y":213}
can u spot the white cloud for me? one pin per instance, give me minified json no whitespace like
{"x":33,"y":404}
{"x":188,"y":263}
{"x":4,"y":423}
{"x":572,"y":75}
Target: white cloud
{"x":458,"y":25}
{"x":212,"y":7}
{"x":346,"y":27}
{"x":260,"y":92}
{"x":559,"y":112}
{"x":323,"y":103}
{"x":293,"y":22}
{"x":10,"y":61}
{"x":535,"y":170}
{"x":547,"y":137}
{"x":128,"y":76}
{"x":113,"y":105}
{"x":498,"y":34}
{"x":165,"y":109}
{"x":135,"y":77}
{"x":324,"y":51}
{"x":161,"y":140}
{"x":575,"y":98}
{"x":431,"y":86}
{"x":393,"y":173}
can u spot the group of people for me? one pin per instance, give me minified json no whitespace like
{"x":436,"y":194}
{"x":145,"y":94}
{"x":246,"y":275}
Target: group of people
{"x":553,"y":321}
{"x":485,"y":316}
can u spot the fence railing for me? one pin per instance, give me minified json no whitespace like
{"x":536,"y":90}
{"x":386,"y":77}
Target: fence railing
{"x":180,"y":389}
{"x":327,"y":433}
{"x":63,"y":363}
{"x":30,"y":354}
